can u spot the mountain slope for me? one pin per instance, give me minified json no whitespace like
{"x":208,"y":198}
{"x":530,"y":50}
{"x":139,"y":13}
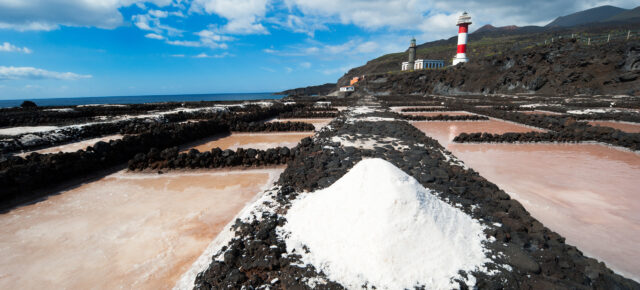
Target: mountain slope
{"x":597,"y":14}
{"x":563,"y":67}
{"x":626,"y":15}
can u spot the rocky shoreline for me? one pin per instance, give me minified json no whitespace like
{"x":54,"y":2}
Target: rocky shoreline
{"x":532,"y":255}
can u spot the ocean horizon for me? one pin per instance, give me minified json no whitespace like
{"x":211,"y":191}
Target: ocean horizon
{"x":142,"y":99}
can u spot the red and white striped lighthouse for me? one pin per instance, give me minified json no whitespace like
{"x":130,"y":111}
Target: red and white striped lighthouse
{"x":463,"y":28}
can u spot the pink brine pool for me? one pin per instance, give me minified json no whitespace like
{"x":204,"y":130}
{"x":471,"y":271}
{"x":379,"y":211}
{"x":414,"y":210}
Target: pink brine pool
{"x":622,"y":126}
{"x":431,"y":114}
{"x":445,"y":132}
{"x":124,"y":231}
{"x":73,"y":147}
{"x":251,"y":140}
{"x":319,"y":123}
{"x":586,"y":192}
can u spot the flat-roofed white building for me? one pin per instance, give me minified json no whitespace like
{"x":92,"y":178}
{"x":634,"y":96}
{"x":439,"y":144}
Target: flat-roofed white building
{"x":405,"y":66}
{"x":347,"y":89}
{"x":428,"y":64}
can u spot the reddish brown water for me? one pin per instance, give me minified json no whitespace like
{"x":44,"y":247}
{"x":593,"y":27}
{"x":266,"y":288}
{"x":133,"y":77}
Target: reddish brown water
{"x":319,"y":123}
{"x":72,"y":147}
{"x":444,"y":132}
{"x":251,"y":140}
{"x":622,"y":126}
{"x":431,"y":114}
{"x":133,"y":231}
{"x":586,"y":192}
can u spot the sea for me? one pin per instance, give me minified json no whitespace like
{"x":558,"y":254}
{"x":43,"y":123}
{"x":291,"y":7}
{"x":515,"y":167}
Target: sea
{"x":143,"y":99}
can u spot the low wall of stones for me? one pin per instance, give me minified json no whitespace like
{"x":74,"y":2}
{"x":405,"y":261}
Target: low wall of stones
{"x":626,"y":117}
{"x":307,"y":114}
{"x":73,"y":115}
{"x":562,"y":128}
{"x":590,"y":134}
{"x":35,"y":141}
{"x":20,"y":178}
{"x":215,"y":158}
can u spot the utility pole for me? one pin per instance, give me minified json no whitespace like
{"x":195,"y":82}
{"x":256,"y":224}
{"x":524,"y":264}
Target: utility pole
{"x":609,"y":37}
{"x":589,"y":41}
{"x":628,"y":34}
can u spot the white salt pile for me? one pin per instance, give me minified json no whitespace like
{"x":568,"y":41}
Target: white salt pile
{"x":377,"y":226}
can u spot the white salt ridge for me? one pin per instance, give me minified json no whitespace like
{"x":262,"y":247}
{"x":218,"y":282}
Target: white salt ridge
{"x":369,"y":143}
{"x":377,"y":226}
{"x":13,"y":131}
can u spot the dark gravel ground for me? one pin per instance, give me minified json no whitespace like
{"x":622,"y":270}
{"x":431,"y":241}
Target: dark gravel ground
{"x":539,"y":258}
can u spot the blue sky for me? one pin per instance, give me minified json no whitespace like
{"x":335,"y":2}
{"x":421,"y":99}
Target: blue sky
{"x":76,"y":48}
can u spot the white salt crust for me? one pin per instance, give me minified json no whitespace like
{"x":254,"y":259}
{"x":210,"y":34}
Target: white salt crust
{"x":379,"y":227}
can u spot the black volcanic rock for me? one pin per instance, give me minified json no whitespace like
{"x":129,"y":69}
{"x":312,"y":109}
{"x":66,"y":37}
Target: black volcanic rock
{"x":311,"y":90}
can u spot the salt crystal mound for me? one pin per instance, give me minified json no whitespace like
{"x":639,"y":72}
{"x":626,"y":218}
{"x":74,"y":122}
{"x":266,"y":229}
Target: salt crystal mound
{"x":377,"y":226}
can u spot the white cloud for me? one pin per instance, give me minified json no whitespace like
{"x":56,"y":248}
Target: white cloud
{"x":221,"y":55}
{"x":357,"y":46}
{"x":243,"y":16}
{"x":207,"y":38}
{"x":151,"y":22}
{"x":50,"y":14}
{"x":433,"y":19}
{"x":177,"y":55}
{"x":305,"y":65}
{"x":187,"y":43}
{"x":299,"y":24}
{"x":8,"y":47}
{"x":154,"y":36}
{"x":15,"y":73}
{"x":158,"y":13}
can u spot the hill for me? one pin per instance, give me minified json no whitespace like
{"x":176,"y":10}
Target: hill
{"x":597,"y":14}
{"x":564,"y":67}
{"x":491,"y":28}
{"x":310,"y":90}
{"x":490,"y":40}
{"x":632,"y":14}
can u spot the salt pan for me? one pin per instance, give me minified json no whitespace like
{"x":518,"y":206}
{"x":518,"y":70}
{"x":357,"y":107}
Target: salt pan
{"x":377,"y":226}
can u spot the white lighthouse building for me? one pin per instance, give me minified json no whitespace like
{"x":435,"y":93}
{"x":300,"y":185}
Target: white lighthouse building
{"x":463,"y":29}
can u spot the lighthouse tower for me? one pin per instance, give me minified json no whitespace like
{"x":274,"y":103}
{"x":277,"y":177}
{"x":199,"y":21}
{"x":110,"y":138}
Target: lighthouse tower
{"x":463,"y":28}
{"x":412,"y":53}
{"x":408,"y":65}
